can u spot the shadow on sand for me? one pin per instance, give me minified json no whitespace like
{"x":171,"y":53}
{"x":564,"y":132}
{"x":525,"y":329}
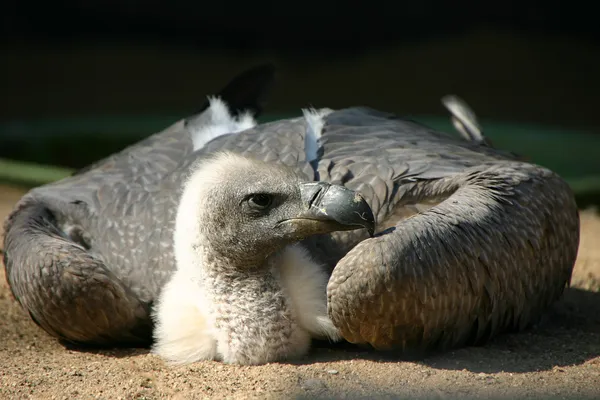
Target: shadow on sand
{"x":569,"y":334}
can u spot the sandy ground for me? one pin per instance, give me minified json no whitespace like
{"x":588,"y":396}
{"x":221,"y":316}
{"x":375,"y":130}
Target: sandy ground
{"x":560,"y":358}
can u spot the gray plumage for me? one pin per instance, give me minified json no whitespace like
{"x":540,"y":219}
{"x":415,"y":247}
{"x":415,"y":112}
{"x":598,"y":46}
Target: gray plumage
{"x":472,"y":242}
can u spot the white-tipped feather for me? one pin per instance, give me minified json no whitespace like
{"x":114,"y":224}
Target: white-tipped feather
{"x":217,"y":121}
{"x":314,"y":129}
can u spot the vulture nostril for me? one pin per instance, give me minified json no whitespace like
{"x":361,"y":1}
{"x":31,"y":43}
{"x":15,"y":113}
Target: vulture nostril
{"x":318,"y":195}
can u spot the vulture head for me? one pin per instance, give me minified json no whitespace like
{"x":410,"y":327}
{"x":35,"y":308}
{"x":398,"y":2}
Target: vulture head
{"x":244,"y":291}
{"x":241,"y":210}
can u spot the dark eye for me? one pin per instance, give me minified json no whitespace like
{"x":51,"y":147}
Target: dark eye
{"x":260,"y":200}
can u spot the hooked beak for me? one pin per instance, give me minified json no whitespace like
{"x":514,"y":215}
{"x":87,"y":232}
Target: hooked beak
{"x":329,"y":208}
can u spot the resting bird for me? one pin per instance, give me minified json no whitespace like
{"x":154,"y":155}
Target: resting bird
{"x":243,"y":291}
{"x":470,"y":240}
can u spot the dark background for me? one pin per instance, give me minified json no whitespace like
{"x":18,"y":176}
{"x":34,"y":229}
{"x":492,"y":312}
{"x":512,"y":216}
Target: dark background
{"x":521,"y":62}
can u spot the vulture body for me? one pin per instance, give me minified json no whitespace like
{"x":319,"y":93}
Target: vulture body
{"x":471,"y":241}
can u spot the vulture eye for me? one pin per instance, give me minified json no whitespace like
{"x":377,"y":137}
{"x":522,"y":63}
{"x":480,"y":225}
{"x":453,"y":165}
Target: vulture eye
{"x":260,"y":200}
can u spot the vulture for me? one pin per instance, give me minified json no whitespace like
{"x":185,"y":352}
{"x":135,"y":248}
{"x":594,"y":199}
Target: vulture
{"x":243,"y":290}
{"x":469,"y":241}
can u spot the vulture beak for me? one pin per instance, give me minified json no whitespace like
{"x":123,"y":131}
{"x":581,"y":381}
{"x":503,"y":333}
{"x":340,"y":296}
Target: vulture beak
{"x":329,"y":208}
